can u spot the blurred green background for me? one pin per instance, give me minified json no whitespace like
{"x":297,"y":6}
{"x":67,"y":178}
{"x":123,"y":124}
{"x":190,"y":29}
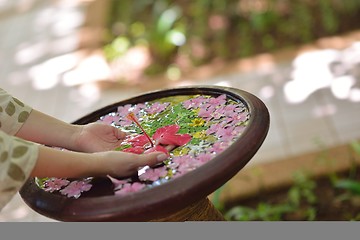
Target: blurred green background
{"x":183,"y":34}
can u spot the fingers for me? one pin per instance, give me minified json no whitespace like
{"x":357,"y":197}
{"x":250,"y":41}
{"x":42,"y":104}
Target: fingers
{"x":129,"y":162}
{"x":141,"y":160}
{"x":170,"y":147}
{"x":151,"y":158}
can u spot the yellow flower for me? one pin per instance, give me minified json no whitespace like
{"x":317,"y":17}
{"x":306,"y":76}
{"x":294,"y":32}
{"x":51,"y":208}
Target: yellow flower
{"x":211,"y":138}
{"x":200,"y":135}
{"x":197,"y":122}
{"x":181,"y":151}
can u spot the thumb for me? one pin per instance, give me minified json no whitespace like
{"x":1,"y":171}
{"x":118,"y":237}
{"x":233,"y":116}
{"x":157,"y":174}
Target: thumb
{"x":119,"y":134}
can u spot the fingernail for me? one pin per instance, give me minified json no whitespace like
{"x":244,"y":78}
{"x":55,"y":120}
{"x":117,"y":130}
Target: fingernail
{"x":161,"y":157}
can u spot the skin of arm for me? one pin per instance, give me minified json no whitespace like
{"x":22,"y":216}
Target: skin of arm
{"x":88,"y":149}
{"x":93,"y":137}
{"x":77,"y":164}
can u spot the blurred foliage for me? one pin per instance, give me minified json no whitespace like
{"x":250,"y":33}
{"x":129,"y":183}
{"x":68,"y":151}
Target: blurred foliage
{"x":191,"y":33}
{"x":301,"y":200}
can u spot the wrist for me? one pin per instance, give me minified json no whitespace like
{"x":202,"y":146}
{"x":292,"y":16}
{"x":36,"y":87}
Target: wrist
{"x":97,"y":166}
{"x":67,"y":137}
{"x":74,"y":142}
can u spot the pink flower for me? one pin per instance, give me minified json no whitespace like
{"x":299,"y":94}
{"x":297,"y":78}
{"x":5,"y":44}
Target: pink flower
{"x":75,"y":188}
{"x":157,"y":108}
{"x":226,"y":133}
{"x":205,"y":112}
{"x":167,"y":136}
{"x":187,"y":104}
{"x":204,"y":157}
{"x":215,"y":128}
{"x":109,"y":119}
{"x":55,"y":184}
{"x":220,"y":100}
{"x":181,"y":160}
{"x":125,"y":122}
{"x":153,"y":174}
{"x":239,"y":130}
{"x":237,"y":117}
{"x":195,"y":102}
{"x":117,"y":183}
{"x":124,"y":110}
{"x":230,"y":108}
{"x":130,"y":188}
{"x":138,"y":107}
{"x":188,"y":166}
{"x":218,"y":147}
{"x":216,"y":115}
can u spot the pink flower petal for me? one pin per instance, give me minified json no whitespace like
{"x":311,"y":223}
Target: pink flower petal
{"x":124,"y":110}
{"x":157,"y":108}
{"x":130,"y":188}
{"x":75,"y":188}
{"x":153,"y":174}
{"x":55,"y":184}
{"x":117,"y":183}
{"x":204,"y":157}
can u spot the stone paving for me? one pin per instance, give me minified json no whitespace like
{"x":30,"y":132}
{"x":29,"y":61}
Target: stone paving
{"x":313,"y":98}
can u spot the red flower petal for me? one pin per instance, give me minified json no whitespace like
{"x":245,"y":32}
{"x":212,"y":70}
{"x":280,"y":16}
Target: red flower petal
{"x":157,"y":148}
{"x":174,"y":139}
{"x":139,"y":140}
{"x":170,"y":129}
{"x":167,"y":136}
{"x":136,"y":150}
{"x":132,"y":117}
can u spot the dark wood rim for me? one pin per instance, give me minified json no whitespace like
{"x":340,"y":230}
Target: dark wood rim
{"x":169,"y":197}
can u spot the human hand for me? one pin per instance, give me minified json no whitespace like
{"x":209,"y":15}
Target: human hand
{"x":97,"y":137}
{"x":70,"y":164}
{"x":121,"y":164}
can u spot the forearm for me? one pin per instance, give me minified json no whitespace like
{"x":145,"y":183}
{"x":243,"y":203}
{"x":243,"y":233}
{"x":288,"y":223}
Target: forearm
{"x":61,"y":163}
{"x":44,"y":129}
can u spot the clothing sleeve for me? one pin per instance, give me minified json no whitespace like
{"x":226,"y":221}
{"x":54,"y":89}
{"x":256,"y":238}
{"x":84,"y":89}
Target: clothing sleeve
{"x":17,"y":156}
{"x":13,"y":113}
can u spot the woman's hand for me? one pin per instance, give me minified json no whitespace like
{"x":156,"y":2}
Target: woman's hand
{"x":97,"y":137}
{"x":121,"y":164}
{"x":58,"y":163}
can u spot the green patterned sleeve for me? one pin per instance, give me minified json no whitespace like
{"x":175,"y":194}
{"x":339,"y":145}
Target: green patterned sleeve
{"x":17,"y":156}
{"x":17,"y":160}
{"x":13,"y":113}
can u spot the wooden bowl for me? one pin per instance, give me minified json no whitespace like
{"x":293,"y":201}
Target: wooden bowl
{"x":168,"y":198}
